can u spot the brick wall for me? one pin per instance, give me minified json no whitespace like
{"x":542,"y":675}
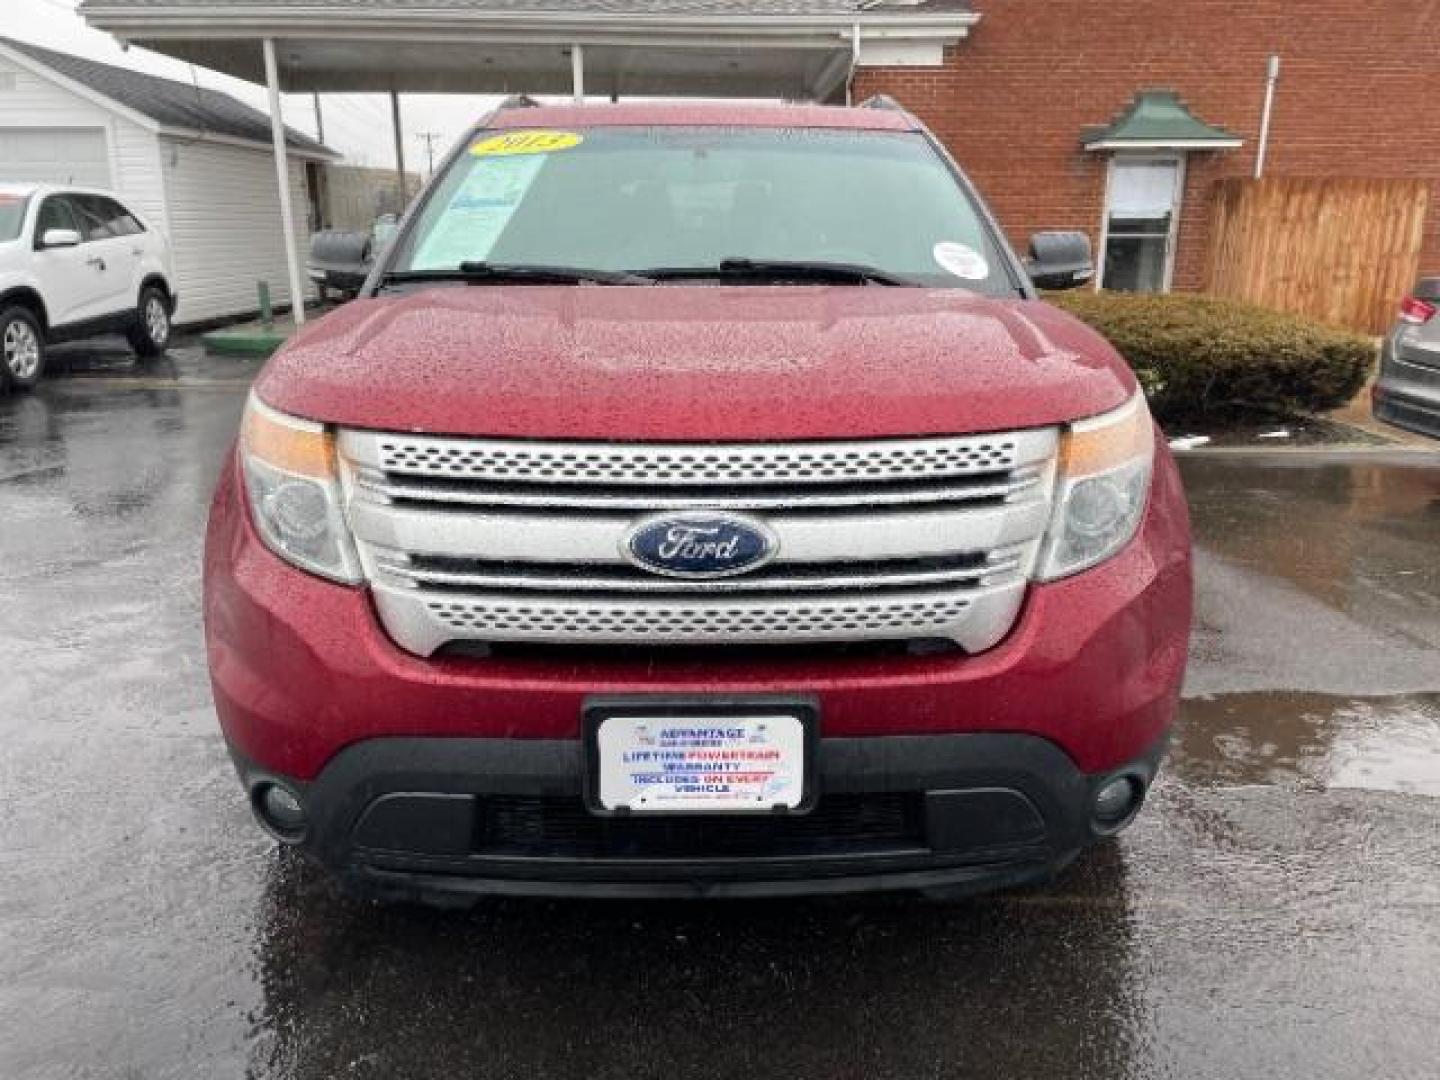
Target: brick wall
{"x":1359,"y":96}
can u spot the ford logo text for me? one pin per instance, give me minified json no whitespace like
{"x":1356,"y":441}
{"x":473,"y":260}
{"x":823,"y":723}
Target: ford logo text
{"x":700,"y":545}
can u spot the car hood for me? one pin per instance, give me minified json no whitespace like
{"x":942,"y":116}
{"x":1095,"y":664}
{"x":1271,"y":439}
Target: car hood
{"x":700,"y":363}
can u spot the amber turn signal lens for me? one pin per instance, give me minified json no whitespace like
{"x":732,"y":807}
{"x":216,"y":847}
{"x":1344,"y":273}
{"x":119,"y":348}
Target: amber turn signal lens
{"x":1096,"y":446}
{"x":286,"y":443}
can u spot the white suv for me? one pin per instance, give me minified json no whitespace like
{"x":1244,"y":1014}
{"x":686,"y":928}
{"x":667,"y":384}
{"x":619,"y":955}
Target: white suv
{"x":74,"y":263}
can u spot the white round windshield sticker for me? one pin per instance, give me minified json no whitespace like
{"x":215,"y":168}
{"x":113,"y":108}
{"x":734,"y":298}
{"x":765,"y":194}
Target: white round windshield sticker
{"x":963,"y":262}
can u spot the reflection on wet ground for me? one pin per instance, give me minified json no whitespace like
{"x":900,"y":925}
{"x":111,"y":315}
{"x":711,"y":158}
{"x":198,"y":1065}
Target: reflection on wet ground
{"x":1276,"y":912}
{"x":1317,"y":651}
{"x":1385,"y":744}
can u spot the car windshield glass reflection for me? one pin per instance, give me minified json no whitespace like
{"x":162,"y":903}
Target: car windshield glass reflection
{"x":633,"y":199}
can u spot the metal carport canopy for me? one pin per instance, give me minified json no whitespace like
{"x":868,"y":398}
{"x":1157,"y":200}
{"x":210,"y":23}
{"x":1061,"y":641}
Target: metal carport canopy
{"x":740,"y":48}
{"x":806,"y":49}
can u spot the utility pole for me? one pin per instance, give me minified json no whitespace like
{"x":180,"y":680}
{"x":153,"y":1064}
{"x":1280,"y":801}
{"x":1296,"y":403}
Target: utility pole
{"x":429,"y":138}
{"x":319,"y":120}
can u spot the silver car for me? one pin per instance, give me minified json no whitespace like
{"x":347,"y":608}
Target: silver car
{"x":1407,"y":394}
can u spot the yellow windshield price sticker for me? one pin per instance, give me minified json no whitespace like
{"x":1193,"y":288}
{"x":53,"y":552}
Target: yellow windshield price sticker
{"x":516,"y":143}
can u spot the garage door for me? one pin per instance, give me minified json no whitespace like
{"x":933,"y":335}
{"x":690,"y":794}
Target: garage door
{"x":55,"y":155}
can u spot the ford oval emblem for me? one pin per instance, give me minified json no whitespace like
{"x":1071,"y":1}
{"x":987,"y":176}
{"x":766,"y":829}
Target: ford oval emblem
{"x":700,"y":545}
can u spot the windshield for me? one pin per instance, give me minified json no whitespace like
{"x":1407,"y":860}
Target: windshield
{"x":638,"y":199}
{"x":12,"y":215}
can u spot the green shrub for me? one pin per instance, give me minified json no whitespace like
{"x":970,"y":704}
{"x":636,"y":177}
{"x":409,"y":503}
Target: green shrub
{"x":1196,"y":355}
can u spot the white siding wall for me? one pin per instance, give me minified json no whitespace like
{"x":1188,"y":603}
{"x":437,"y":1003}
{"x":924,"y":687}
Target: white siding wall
{"x":225,"y":226}
{"x":29,"y":101}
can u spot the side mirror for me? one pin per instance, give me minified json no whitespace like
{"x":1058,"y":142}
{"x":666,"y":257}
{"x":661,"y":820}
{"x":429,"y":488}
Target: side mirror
{"x":1060,"y":260}
{"x":1428,"y":290}
{"x":60,"y":238}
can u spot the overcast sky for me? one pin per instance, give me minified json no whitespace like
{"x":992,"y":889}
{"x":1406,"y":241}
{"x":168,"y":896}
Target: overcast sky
{"x":357,"y":125}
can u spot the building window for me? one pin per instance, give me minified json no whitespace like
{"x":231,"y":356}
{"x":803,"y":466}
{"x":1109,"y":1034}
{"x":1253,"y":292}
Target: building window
{"x":1142,"y":217}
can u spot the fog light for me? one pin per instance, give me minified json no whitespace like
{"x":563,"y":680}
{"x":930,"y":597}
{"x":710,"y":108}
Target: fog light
{"x":281,"y":811}
{"x":1117,"y":801}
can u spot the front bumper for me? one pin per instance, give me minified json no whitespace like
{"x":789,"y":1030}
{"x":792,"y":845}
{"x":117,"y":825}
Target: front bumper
{"x":436,"y":819}
{"x":310,"y":690}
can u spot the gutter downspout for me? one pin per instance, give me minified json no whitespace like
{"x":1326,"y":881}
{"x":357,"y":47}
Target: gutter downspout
{"x":1272,"y":77}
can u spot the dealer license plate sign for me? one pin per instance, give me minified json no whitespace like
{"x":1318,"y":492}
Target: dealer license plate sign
{"x":707,"y":764}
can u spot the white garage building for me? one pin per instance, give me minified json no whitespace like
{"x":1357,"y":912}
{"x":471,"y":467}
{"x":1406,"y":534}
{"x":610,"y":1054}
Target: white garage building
{"x":197,"y":163}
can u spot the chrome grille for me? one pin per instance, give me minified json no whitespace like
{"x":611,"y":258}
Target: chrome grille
{"x":470,"y":540}
{"x":479,"y":575}
{"x":521,"y":618}
{"x":404,"y":489}
{"x":585,"y":463}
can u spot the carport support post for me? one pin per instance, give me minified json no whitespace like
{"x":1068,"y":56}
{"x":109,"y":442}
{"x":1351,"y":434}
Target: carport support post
{"x":282,"y":175}
{"x":399,"y":153}
{"x":577,"y":72}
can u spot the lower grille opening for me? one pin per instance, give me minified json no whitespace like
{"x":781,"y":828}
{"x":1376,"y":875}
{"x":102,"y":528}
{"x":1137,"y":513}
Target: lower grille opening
{"x":839,"y":825}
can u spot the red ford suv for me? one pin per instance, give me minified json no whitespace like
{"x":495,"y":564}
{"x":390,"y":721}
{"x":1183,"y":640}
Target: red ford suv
{"x":698,"y":501}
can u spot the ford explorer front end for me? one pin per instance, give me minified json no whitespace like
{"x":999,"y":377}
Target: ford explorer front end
{"x":698,"y":501}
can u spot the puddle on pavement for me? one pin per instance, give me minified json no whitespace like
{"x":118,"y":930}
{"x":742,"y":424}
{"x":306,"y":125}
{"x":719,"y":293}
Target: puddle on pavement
{"x":1390,"y":744}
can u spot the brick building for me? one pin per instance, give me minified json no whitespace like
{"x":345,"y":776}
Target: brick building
{"x":1357,"y":96}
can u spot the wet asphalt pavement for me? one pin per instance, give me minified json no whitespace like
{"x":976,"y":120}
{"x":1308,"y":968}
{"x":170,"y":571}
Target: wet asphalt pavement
{"x":1275,"y":913}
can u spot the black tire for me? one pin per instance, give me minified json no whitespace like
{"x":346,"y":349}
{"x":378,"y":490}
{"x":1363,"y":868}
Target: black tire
{"x":22,"y":348}
{"x":150,"y":333}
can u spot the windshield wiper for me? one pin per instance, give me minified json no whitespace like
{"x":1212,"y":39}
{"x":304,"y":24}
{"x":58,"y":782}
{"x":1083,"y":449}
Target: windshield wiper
{"x":781,"y":269}
{"x":486,"y":272}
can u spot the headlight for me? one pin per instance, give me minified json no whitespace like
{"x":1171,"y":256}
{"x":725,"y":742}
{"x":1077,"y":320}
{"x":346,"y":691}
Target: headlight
{"x":291,"y":478}
{"x":1105,"y":469}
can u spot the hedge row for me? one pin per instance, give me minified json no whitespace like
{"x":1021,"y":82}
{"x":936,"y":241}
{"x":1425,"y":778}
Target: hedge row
{"x":1196,"y":355}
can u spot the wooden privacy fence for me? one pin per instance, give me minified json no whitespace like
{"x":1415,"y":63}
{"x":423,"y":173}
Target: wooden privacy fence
{"x":1341,"y":251}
